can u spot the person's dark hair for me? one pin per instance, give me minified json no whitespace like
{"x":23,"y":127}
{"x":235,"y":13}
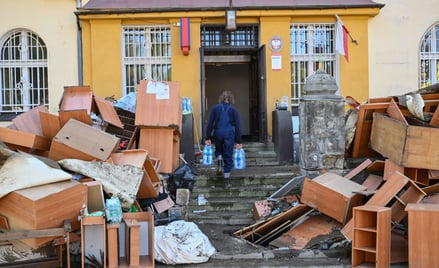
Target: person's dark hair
{"x":226,"y":95}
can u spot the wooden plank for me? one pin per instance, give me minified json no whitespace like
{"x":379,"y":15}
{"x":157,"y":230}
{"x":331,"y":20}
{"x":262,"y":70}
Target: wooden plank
{"x":79,"y":115}
{"x":107,"y":112}
{"x":30,"y":121}
{"x":50,"y":124}
{"x":391,"y":167}
{"x":24,"y":139}
{"x":154,"y":111}
{"x":358,"y":169}
{"x":76,"y":98}
{"x":394,"y":112}
{"x":372,"y":182}
{"x":132,"y":241}
{"x":360,"y":146}
{"x":418,"y":175}
{"x":435,"y":118}
{"x":423,"y":239}
{"x":377,"y":167}
{"x":421,"y":148}
{"x":413,"y":194}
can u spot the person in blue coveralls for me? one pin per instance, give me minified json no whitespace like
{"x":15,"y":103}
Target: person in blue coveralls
{"x":224,"y":128}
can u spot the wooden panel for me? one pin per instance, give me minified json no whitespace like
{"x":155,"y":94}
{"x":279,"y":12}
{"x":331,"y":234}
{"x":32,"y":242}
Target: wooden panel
{"x":423,"y":239}
{"x":153,"y":111}
{"x":418,"y":175}
{"x":79,"y":115}
{"x":362,"y":132}
{"x":435,"y":118}
{"x":30,"y":121}
{"x":132,"y":232}
{"x":76,"y":98}
{"x":107,"y":112}
{"x":332,"y":195}
{"x":24,"y":139}
{"x":394,"y":112}
{"x":93,"y":239}
{"x":391,"y":167}
{"x":412,"y":194}
{"x":113,"y":245}
{"x":50,"y":124}
{"x":161,"y":142}
{"x":81,"y":141}
{"x":421,"y":148}
{"x":358,"y":169}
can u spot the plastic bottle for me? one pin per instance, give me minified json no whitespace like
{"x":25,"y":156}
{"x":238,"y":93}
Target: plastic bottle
{"x":277,"y":104}
{"x":239,"y":159}
{"x":113,"y":210}
{"x":189,"y":105}
{"x":207,"y":155}
{"x":184,"y":106}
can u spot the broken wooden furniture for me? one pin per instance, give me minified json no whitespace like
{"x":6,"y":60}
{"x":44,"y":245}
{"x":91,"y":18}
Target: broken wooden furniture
{"x":423,"y":234}
{"x":51,"y":233}
{"x":371,"y":236}
{"x":332,"y":195}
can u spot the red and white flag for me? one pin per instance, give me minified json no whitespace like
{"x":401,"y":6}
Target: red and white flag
{"x":341,"y":40}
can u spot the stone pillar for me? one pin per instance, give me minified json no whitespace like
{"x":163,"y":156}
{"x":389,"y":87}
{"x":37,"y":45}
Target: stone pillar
{"x":321,"y":126}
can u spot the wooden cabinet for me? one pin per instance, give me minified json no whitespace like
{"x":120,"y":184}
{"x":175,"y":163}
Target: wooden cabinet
{"x":371,"y":236}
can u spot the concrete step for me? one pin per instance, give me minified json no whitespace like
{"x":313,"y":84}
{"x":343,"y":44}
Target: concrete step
{"x":234,"y":205}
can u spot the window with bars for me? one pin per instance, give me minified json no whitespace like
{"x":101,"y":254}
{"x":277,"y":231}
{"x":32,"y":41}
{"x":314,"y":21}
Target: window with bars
{"x":312,"y":47}
{"x":23,"y":72}
{"x":146,"y":55}
{"x":216,"y":36}
{"x":429,"y":58}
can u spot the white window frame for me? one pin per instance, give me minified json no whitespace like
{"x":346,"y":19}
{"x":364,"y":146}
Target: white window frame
{"x":146,"y":54}
{"x":311,"y":49}
{"x":429,"y":57}
{"x":23,"y":71}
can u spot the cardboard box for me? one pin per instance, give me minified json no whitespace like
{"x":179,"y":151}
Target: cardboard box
{"x":332,"y":195}
{"x":407,"y":145}
{"x":44,"y":206}
{"x":81,"y":141}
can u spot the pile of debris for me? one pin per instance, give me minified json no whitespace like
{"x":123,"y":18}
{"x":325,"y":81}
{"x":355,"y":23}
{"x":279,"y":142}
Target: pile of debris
{"x":59,"y":171}
{"x":383,"y":207}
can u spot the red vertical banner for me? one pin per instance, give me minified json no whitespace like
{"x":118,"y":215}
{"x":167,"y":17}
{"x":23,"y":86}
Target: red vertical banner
{"x":185,"y":36}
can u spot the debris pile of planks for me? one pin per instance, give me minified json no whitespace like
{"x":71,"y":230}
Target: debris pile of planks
{"x":59,"y":169}
{"x":383,"y":207}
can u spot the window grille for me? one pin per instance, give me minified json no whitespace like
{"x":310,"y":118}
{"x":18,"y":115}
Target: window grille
{"x":312,"y":47}
{"x":216,"y":36}
{"x":146,"y":55}
{"x":429,"y":58}
{"x":23,"y":72}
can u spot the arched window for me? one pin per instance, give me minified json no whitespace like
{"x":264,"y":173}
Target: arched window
{"x":429,"y":58}
{"x":23,"y":72}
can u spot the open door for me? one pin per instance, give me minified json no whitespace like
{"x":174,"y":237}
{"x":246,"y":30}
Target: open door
{"x":262,"y":96}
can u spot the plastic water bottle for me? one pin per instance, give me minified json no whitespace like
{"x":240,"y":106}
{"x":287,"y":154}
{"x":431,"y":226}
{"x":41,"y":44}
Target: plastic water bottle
{"x":189,"y":105}
{"x":184,"y":106}
{"x":207,"y":155}
{"x":113,"y":210}
{"x":239,"y":159}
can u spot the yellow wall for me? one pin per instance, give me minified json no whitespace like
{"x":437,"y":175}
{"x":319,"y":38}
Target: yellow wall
{"x":56,"y":26}
{"x":102,"y":51}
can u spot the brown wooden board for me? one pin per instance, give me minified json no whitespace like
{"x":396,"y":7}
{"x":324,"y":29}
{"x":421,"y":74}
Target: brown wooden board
{"x":81,"y":141}
{"x":107,"y":112}
{"x":394,"y":112}
{"x":30,"y":120}
{"x":151,"y":110}
{"x":360,"y":147}
{"x":50,"y":124}
{"x":79,"y":115}
{"x":76,"y":98}
{"x":24,"y":139}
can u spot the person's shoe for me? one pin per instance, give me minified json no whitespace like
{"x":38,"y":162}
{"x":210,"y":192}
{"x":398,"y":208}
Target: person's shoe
{"x":227,"y":184}
{"x":219,"y":169}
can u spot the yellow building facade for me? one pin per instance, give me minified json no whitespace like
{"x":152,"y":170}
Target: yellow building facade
{"x":202,"y":76}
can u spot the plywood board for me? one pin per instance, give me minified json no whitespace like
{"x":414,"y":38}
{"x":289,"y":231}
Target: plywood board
{"x":30,"y":120}
{"x":76,"y":98}
{"x":24,"y":139}
{"x":107,"y":112}
{"x":81,"y":141}
{"x":50,"y":124}
{"x":153,"y":110}
{"x":79,"y":115}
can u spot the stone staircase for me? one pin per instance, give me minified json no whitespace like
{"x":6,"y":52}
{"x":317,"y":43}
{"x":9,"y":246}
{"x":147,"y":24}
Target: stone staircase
{"x":234,"y":206}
